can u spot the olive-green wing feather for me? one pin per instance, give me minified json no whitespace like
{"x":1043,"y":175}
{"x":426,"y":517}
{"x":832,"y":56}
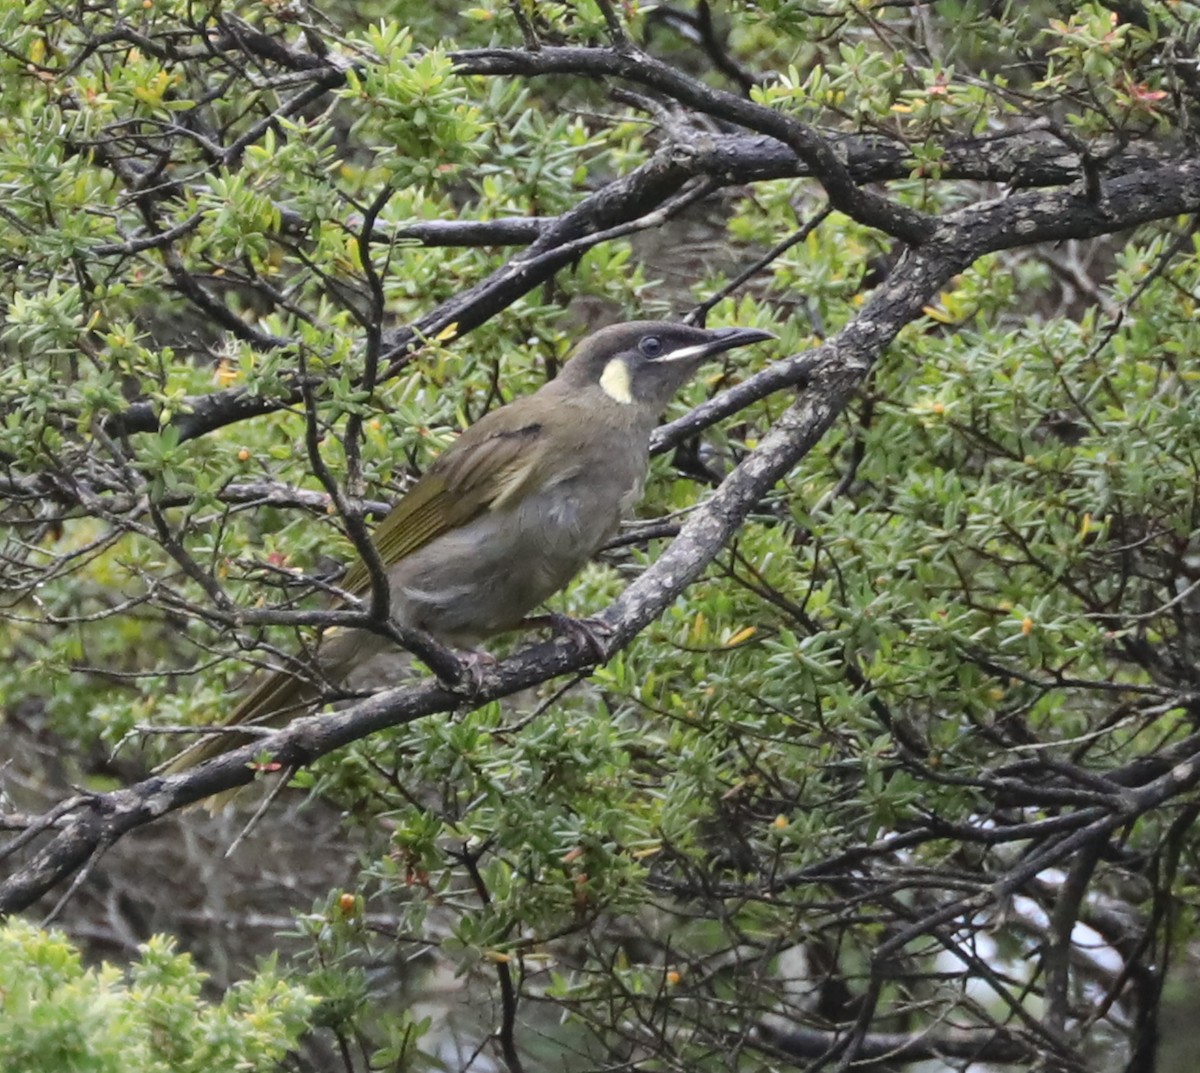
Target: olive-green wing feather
{"x":489,"y":463}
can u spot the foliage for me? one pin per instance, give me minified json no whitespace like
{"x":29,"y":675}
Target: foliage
{"x":60,"y":1015}
{"x":901,"y":762}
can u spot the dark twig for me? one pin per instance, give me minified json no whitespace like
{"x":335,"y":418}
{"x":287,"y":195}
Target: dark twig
{"x":373,"y":332}
{"x":1056,"y":957}
{"x":506,"y":1033}
{"x":699,"y":314}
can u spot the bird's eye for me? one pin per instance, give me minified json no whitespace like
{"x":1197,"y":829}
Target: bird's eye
{"x":651,"y":346}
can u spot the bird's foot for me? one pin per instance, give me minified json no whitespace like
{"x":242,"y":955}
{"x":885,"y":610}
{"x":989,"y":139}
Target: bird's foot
{"x":475,"y":663}
{"x":589,"y":632}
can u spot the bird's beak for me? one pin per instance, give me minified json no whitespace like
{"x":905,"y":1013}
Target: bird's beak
{"x":719,"y":340}
{"x":728,"y":338}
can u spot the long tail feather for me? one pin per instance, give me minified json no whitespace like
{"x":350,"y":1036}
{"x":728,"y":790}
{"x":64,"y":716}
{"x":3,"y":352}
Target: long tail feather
{"x":275,"y":698}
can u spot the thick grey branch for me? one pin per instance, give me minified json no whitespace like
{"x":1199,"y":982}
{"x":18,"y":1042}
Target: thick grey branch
{"x":981,"y":1046}
{"x":636,"y":66}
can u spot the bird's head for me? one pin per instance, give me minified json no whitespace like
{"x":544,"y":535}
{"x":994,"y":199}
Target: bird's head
{"x":644,"y":362}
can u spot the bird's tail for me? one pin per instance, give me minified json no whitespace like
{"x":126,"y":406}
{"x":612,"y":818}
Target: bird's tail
{"x":275,"y":698}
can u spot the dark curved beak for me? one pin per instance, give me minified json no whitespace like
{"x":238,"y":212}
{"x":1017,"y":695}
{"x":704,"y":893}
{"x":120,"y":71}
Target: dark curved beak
{"x":728,"y":338}
{"x":719,"y":340}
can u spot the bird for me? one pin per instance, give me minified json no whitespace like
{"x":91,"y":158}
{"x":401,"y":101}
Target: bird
{"x":510,"y":512}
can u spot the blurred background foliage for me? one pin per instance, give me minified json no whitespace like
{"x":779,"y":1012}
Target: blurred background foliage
{"x":982,"y":580}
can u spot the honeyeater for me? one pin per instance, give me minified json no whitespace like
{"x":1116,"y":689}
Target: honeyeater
{"x":512,"y":510}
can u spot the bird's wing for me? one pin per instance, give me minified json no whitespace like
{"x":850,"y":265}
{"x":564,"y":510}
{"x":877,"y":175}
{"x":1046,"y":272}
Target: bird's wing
{"x":487,"y":465}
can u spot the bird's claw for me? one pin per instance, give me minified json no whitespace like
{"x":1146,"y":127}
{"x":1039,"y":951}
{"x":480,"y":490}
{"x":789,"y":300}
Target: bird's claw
{"x":474,"y":664}
{"x":589,"y":632}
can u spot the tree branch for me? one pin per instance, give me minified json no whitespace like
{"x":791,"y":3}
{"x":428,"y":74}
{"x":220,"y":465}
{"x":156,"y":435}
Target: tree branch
{"x":981,"y":1046}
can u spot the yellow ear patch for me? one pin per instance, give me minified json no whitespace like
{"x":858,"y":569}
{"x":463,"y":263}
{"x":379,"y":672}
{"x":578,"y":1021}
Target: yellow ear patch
{"x":615,"y":382}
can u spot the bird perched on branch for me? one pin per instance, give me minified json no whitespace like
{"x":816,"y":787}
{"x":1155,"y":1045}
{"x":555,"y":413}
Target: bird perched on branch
{"x":512,"y":510}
